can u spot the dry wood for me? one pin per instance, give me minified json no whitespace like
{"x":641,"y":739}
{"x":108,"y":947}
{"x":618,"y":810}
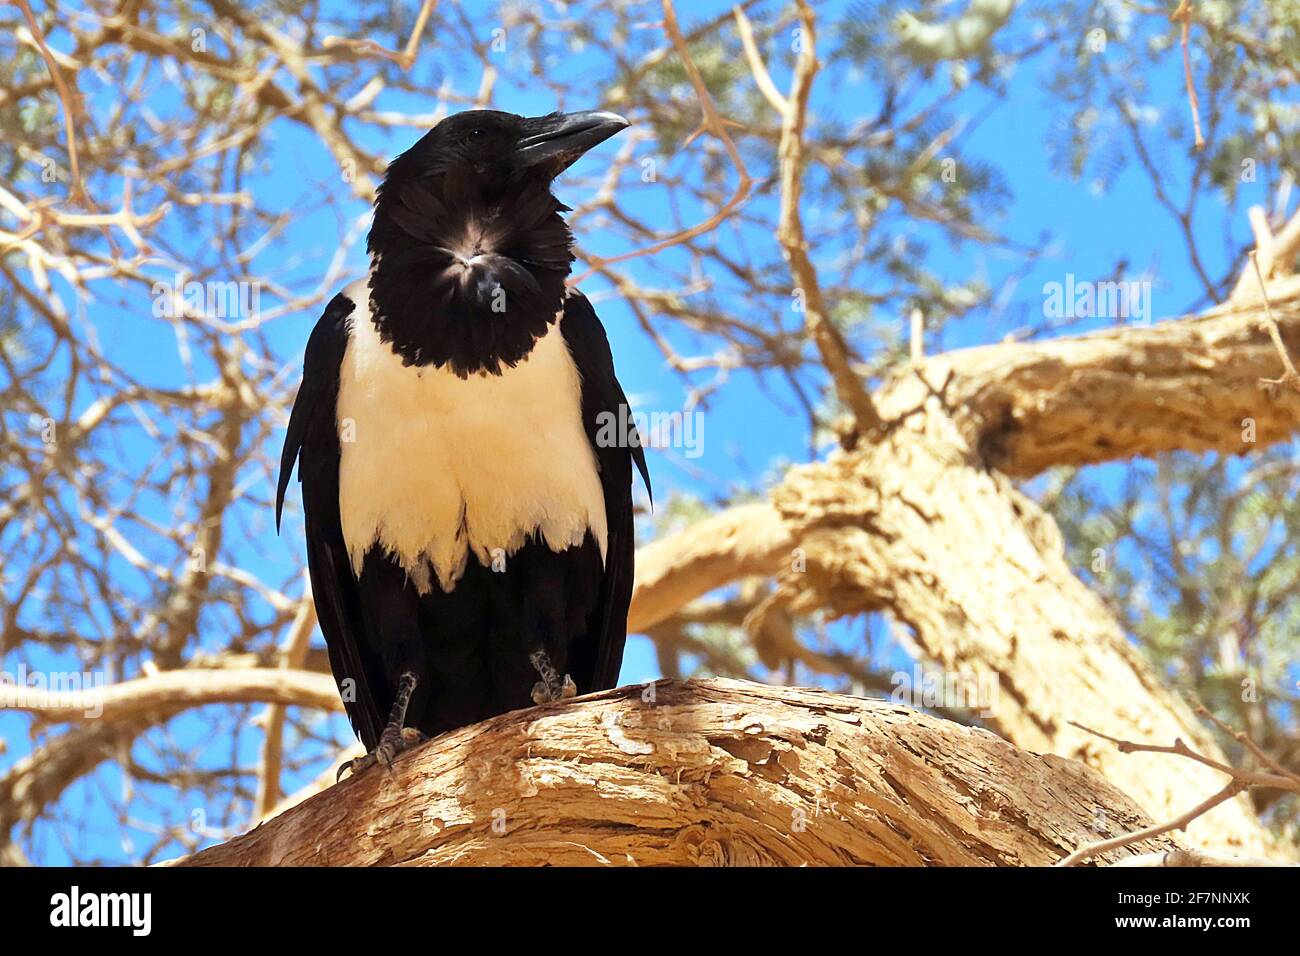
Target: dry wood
{"x":745,"y":540}
{"x":704,"y":772}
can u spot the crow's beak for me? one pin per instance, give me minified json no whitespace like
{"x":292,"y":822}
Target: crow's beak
{"x":556,"y":141}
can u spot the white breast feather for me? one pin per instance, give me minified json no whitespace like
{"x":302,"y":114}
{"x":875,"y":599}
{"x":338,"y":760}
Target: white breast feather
{"x":508,"y":452}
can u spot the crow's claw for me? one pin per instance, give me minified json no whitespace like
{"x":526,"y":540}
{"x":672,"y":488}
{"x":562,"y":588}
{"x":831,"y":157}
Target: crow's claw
{"x":395,"y":738}
{"x":552,"y":686}
{"x":390,"y":745}
{"x":544,"y":693}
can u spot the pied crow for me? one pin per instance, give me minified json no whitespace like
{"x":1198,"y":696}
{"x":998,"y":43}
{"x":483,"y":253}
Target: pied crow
{"x":469,"y":538}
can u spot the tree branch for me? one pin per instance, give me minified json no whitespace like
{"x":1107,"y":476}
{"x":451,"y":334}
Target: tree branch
{"x":1187,"y":384}
{"x":171,"y":691}
{"x":707,"y":772}
{"x":292,"y":657}
{"x":849,"y":387}
{"x":672,"y":571}
{"x":715,"y":126}
{"x":1239,"y":781}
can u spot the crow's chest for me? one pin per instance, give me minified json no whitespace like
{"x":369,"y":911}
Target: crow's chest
{"x":435,"y":468}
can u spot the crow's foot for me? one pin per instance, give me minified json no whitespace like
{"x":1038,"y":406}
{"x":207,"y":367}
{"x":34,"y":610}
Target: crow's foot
{"x":396,"y":737}
{"x":552,"y":686}
{"x":390,"y":745}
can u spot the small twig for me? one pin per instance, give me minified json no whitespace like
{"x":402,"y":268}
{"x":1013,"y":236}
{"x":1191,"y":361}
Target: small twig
{"x":404,"y":59}
{"x":1184,"y":15}
{"x":76,"y":194}
{"x":1233,"y":788}
{"x":1241,"y":781}
{"x":1289,"y":375}
{"x":916,"y":339}
{"x":1245,"y":740}
{"x":762,"y":78}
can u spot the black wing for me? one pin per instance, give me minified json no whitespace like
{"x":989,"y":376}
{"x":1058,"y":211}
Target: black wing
{"x":599,"y":658}
{"x":313,"y":439}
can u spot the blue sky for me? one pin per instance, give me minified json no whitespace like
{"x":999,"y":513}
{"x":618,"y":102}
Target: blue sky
{"x":749,"y":427}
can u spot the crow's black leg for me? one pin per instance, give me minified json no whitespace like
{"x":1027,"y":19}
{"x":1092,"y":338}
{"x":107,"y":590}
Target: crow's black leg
{"x":396,"y":737}
{"x":552,"y":686}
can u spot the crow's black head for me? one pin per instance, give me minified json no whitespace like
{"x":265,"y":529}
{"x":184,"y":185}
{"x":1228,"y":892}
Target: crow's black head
{"x":469,"y":248}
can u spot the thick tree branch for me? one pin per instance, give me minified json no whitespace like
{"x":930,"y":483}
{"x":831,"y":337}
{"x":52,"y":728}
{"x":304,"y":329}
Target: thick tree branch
{"x":671,"y":572}
{"x":709,"y":772}
{"x":920,"y":527}
{"x":1189,"y":384}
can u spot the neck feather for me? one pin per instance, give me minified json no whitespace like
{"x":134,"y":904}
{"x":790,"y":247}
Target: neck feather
{"x":462,"y":279}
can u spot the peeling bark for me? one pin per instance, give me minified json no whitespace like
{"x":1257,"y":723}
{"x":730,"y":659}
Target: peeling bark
{"x":709,"y":772}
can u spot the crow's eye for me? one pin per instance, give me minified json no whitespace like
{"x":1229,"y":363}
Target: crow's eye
{"x":474,"y":134}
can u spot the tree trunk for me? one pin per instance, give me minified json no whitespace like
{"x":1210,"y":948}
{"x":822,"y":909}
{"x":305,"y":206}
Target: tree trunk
{"x":926,"y":525}
{"x":704,"y":772}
